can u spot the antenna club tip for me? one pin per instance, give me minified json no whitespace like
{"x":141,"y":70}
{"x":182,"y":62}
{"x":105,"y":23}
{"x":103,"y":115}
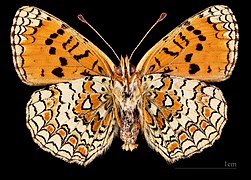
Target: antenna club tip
{"x":162,"y":16}
{"x":81,"y":18}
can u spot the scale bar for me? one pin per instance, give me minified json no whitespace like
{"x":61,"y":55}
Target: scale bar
{"x":207,"y":168}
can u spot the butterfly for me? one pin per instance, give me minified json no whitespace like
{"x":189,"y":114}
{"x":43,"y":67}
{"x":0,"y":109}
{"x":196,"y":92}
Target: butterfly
{"x":87,"y":100}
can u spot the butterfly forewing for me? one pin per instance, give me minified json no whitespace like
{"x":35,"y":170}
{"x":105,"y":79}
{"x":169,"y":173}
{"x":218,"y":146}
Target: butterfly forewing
{"x":203,"y":47}
{"x":46,"y":50}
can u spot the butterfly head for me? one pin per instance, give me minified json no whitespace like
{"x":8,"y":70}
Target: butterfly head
{"x":125,"y":69}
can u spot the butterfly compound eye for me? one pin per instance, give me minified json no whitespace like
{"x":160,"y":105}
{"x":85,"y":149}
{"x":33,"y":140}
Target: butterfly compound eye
{"x":118,"y":70}
{"x":132,"y":69}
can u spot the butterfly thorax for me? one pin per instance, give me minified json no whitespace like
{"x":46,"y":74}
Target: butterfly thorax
{"x":127,"y":94}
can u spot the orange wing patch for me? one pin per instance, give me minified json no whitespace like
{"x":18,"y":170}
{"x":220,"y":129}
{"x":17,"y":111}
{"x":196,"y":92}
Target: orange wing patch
{"x":203,"y":47}
{"x":46,"y":50}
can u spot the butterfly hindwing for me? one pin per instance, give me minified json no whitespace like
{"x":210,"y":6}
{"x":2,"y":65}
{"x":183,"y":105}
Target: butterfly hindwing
{"x":46,"y":50}
{"x":181,"y":116}
{"x":203,"y":47}
{"x":73,"y":120}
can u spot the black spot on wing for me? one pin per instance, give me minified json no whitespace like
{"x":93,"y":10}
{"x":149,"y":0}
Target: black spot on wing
{"x":80,"y":56}
{"x":166,"y":50}
{"x":52,"y":51}
{"x":194,"y":68}
{"x":188,"y":57}
{"x":67,"y":42}
{"x":42,"y":73}
{"x":190,"y":28}
{"x":202,"y":38}
{"x":54,"y":35}
{"x":60,"y":31}
{"x":48,"y":41}
{"x":58,"y":72}
{"x":183,"y":38}
{"x":157,"y":61}
{"x":100,"y":69}
{"x":73,"y":47}
{"x":197,"y":32}
{"x":199,"y":47}
{"x":94,"y":64}
{"x":63,"y":61}
{"x":209,"y":69}
{"x":178,"y":44}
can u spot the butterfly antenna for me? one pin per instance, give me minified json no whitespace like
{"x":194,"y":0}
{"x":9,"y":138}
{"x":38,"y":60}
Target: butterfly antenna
{"x":161,"y":17}
{"x":81,"y":18}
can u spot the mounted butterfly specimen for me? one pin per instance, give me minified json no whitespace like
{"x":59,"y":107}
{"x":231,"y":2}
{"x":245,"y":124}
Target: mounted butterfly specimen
{"x":87,"y":100}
